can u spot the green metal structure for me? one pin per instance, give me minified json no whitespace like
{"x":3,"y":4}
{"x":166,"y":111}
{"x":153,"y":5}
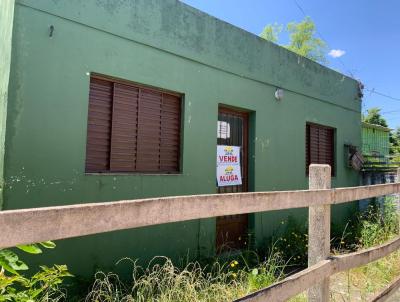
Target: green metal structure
{"x":375,"y":140}
{"x":56,"y":45}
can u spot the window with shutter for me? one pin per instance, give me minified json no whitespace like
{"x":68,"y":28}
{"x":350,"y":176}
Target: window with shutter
{"x":132,"y":128}
{"x":320,"y":146}
{"x":99,"y":126}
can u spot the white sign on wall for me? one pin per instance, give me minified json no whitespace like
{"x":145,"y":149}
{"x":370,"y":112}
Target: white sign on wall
{"x":223,"y":130}
{"x":228,"y":166}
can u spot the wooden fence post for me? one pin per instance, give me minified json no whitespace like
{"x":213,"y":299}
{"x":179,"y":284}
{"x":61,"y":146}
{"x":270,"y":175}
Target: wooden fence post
{"x":319,"y":230}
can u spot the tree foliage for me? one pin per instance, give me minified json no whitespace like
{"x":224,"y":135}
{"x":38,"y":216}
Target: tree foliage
{"x":271,"y":32}
{"x":374,"y":117}
{"x":395,"y":142}
{"x":302,"y":39}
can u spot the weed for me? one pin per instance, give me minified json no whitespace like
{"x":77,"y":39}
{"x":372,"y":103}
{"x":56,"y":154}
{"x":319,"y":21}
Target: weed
{"x":292,"y":243}
{"x":378,"y":224}
{"x":162,"y":281}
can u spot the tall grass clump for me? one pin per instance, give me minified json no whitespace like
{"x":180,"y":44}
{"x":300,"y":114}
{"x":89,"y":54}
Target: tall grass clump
{"x":162,"y":281}
{"x":376,"y":225}
{"x":293,"y":242}
{"x":373,"y":226}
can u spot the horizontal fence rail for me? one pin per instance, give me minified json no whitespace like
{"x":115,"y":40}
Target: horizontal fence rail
{"x":300,"y":281}
{"x":387,"y":292}
{"x":52,"y":223}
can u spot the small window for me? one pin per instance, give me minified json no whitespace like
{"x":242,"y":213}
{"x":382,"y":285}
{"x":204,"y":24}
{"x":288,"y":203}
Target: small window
{"x":320,"y":146}
{"x":132,"y":128}
{"x":223,"y":130}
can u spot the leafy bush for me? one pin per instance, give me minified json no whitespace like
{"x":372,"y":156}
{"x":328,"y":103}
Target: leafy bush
{"x":42,"y":286}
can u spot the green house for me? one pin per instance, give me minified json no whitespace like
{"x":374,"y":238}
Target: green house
{"x":120,"y":100}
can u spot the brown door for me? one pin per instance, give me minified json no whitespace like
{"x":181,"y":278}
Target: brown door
{"x":232,"y":130}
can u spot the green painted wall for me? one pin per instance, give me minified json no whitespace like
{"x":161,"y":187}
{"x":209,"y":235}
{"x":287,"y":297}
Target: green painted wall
{"x":166,"y":44}
{"x":375,"y":139}
{"x":6,"y":26}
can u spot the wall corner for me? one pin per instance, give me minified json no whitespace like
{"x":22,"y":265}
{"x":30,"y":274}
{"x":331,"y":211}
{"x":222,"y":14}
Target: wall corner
{"x":6,"y":29}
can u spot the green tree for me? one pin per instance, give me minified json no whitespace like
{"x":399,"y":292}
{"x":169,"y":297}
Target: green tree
{"x":302,"y":39}
{"x":394,"y":139}
{"x":271,"y":32}
{"x":374,"y":117}
{"x":396,"y":136}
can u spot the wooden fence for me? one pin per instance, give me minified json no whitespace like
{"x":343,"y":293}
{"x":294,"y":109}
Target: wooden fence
{"x":52,"y":223}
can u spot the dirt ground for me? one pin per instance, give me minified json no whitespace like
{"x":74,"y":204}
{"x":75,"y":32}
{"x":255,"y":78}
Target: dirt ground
{"x":395,"y":297}
{"x":341,"y":292}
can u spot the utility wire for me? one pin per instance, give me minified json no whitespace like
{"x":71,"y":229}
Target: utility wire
{"x":323,"y":38}
{"x":390,"y":112}
{"x":300,"y":8}
{"x":340,"y":60}
{"x":382,"y":94}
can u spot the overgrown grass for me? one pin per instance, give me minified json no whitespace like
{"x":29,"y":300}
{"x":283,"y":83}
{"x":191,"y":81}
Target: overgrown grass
{"x":361,"y":283}
{"x":378,"y":224}
{"x":161,"y":281}
{"x":374,"y":226}
{"x":292,"y":242}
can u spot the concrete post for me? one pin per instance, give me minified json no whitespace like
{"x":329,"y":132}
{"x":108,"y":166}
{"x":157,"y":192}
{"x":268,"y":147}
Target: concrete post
{"x":319,"y":230}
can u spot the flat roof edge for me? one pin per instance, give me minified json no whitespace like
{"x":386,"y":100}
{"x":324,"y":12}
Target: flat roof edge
{"x":373,"y":126}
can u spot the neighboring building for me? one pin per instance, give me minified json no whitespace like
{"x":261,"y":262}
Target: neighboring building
{"x":375,"y":140}
{"x":113,"y":100}
{"x":377,"y":168}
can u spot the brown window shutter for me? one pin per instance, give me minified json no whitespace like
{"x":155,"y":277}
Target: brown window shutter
{"x":319,"y":146}
{"x":99,"y":126}
{"x":132,"y":128}
{"x":327,"y":147}
{"x":149,"y":131}
{"x":314,"y":143}
{"x":124,"y":128}
{"x":170,"y":133}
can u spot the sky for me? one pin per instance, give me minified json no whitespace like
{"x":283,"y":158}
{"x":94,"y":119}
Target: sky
{"x":363,"y":38}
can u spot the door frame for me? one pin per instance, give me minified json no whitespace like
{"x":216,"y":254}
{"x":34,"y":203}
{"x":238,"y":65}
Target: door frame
{"x":245,"y":149}
{"x":245,"y":116}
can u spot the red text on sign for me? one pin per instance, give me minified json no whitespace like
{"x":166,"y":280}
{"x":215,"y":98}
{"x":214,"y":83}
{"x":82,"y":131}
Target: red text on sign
{"x":228,"y":159}
{"x":225,"y":178}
